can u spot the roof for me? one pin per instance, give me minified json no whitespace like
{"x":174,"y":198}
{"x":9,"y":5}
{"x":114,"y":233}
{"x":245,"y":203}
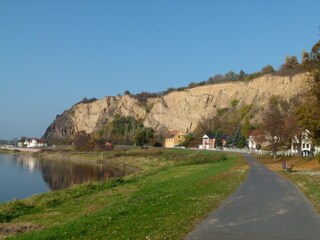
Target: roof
{"x":172,"y":133}
{"x":209,"y":135}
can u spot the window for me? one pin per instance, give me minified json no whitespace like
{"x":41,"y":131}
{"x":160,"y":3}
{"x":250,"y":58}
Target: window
{"x":303,"y":145}
{"x":307,"y":145}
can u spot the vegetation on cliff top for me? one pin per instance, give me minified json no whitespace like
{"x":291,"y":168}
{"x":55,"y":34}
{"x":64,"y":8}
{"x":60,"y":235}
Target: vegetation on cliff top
{"x":290,"y":67}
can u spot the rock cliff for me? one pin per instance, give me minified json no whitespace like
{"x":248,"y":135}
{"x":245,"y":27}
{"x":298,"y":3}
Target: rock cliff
{"x":179,"y":110}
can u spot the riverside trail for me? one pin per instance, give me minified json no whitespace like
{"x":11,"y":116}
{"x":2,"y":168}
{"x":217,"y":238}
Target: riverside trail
{"x":266,"y":206}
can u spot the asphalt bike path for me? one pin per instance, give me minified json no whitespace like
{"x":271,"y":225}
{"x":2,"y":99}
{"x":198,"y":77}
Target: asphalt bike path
{"x":266,"y":206}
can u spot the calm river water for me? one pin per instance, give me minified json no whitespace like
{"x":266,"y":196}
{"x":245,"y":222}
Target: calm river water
{"x":22,"y":176}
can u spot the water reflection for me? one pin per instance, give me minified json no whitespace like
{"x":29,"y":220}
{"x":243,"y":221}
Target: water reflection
{"x":62,"y":174}
{"x":59,"y":174}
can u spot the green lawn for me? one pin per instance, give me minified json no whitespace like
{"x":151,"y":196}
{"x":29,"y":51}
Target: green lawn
{"x":175,"y":190}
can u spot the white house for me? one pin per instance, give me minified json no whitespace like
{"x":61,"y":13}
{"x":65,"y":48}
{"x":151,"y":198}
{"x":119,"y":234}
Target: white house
{"x":35,"y":142}
{"x":252,"y":144}
{"x":257,"y":139}
{"x":208,"y":142}
{"x":306,"y":145}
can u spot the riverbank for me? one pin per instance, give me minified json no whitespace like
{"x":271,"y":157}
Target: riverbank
{"x":173,"y":191}
{"x":18,"y":149}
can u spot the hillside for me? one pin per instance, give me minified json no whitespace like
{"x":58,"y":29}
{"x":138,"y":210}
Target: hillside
{"x":178,"y":110}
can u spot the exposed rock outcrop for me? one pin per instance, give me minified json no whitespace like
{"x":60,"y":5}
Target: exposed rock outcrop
{"x":180,"y":110}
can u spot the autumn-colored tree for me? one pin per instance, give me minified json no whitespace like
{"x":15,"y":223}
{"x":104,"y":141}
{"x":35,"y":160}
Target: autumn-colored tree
{"x":280,"y":123}
{"x":292,"y":126}
{"x":290,"y":67}
{"x":218,"y":78}
{"x":273,"y":125}
{"x":83,"y":142}
{"x":308,"y":113}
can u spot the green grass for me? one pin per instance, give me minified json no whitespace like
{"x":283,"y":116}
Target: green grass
{"x":172,"y":193}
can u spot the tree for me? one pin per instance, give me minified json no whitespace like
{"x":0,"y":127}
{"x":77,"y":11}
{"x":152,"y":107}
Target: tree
{"x":241,"y":75}
{"x":192,"y":85}
{"x":308,"y":113}
{"x":83,"y":142}
{"x":267,"y":70}
{"x":274,"y":125}
{"x":23,"y":139}
{"x":294,"y":130}
{"x":231,"y":76}
{"x":123,"y":129}
{"x":143,"y":136}
{"x":219,"y":138}
{"x":290,"y":67}
{"x":236,"y":139}
{"x":189,"y":140}
{"x":218,"y":78}
{"x":314,"y":68}
{"x":304,"y":57}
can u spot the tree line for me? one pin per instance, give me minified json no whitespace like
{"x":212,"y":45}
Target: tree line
{"x":290,"y":67}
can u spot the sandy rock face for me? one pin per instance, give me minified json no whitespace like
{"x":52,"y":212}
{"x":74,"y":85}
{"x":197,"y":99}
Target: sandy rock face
{"x":179,"y":110}
{"x":183,"y":110}
{"x":87,"y":116}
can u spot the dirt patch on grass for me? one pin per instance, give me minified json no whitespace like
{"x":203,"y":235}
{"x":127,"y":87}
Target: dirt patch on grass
{"x":10,"y":229}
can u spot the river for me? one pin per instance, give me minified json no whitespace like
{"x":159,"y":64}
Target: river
{"x":22,"y":176}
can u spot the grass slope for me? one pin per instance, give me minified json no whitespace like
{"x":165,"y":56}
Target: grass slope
{"x":164,"y":202}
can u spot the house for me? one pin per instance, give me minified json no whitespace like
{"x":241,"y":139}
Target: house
{"x":20,"y":144}
{"x":35,"y":142}
{"x":257,"y":140}
{"x":174,"y":138}
{"x":208,"y":141}
{"x":306,"y":145}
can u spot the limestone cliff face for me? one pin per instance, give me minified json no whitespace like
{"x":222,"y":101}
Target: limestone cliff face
{"x":179,"y":110}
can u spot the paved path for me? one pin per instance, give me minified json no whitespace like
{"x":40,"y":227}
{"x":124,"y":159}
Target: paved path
{"x":265,"y":207}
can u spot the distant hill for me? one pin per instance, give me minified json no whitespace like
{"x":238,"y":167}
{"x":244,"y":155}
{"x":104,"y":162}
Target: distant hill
{"x":178,"y":110}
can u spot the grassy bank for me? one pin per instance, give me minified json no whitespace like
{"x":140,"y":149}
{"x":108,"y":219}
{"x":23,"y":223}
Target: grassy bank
{"x":305,"y":174}
{"x":173,"y":191}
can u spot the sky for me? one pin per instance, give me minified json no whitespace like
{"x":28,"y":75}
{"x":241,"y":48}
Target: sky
{"x":55,"y":53}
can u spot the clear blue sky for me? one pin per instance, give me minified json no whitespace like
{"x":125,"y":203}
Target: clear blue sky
{"x":55,"y":53}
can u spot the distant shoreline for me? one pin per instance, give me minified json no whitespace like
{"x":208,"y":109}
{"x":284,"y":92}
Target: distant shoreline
{"x":73,"y":156}
{"x":32,"y":150}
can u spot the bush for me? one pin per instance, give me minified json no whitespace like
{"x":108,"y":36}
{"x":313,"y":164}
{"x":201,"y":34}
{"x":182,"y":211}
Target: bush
{"x":83,"y":142}
{"x":14,"y":209}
